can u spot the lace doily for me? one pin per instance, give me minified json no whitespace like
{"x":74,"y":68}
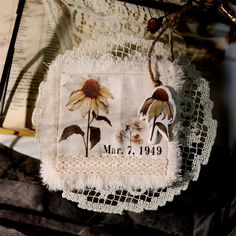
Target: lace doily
{"x":196,"y":135}
{"x":76,"y":21}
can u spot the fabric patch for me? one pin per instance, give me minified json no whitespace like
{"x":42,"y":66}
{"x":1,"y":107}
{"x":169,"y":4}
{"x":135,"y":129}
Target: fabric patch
{"x":102,"y":134}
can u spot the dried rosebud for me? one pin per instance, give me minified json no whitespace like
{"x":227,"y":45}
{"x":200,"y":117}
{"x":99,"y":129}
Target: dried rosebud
{"x":209,"y":2}
{"x":154,"y":24}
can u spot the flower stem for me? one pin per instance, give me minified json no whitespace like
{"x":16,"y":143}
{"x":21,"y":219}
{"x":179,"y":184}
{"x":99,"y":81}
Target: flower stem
{"x":153,"y":127}
{"x":171,"y":44}
{"x":85,"y":146}
{"x":130,"y":139}
{"x":87,"y":135}
{"x":130,"y":142}
{"x":91,"y":120}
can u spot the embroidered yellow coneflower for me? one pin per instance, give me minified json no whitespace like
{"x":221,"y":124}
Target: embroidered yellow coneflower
{"x":90,"y":96}
{"x":159,"y":110}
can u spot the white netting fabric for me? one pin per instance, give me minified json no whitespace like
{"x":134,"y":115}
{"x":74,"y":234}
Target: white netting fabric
{"x":196,"y":135}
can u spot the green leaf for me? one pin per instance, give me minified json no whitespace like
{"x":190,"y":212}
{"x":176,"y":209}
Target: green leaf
{"x":95,"y":136}
{"x":104,"y":119}
{"x":70,"y":130}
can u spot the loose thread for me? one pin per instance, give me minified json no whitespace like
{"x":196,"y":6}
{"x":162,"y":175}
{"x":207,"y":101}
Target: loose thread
{"x":170,"y":22}
{"x":171,"y":42}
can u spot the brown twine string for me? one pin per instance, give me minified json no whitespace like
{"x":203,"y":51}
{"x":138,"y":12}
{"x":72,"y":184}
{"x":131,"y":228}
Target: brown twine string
{"x":170,"y":22}
{"x":171,"y":43}
{"x":157,"y":82}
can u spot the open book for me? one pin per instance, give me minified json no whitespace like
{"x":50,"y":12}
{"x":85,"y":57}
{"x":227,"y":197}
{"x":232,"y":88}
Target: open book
{"x":36,"y":46}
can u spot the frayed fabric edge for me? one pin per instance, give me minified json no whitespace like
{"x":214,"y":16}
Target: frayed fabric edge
{"x":56,"y":180}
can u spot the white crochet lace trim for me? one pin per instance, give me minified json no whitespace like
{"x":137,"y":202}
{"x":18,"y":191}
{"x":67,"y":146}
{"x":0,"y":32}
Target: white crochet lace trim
{"x":196,"y":135}
{"x":110,"y":166}
{"x":120,"y":172}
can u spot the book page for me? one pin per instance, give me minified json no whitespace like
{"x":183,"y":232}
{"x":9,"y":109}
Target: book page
{"x":36,"y":46}
{"x":7,"y":20}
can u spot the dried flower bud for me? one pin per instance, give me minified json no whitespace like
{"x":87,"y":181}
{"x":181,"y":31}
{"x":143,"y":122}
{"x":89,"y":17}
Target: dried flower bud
{"x":209,"y":2}
{"x":154,"y":24}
